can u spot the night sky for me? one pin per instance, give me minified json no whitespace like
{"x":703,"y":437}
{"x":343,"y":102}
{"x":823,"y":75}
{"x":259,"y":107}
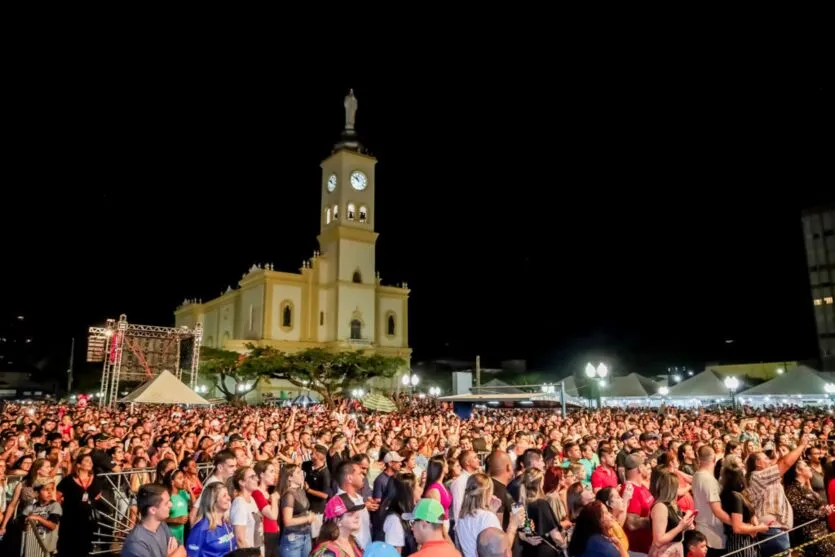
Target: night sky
{"x":642,"y":212}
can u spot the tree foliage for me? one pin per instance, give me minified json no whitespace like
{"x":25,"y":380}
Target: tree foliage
{"x":244,"y":370}
{"x":329,"y":373}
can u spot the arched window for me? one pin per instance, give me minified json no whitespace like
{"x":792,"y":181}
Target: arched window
{"x":390,"y":326}
{"x":363,"y":214}
{"x":285,"y":315}
{"x":335,"y":212}
{"x":321,"y":318}
{"x":357,"y":277}
{"x":328,"y":215}
{"x":351,"y":210}
{"x":356,"y":329}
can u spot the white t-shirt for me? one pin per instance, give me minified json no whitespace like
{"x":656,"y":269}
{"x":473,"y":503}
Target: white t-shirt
{"x":393,"y":528}
{"x":459,"y":485}
{"x":247,"y":514}
{"x":469,"y":527}
{"x":706,"y":491}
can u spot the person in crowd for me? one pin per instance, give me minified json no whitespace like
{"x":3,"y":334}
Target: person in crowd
{"x":317,"y":483}
{"x":392,"y":462}
{"x":427,"y":521}
{"x":151,"y":536}
{"x":337,"y":538}
{"x":267,"y":504}
{"x":710,"y":517}
{"x":591,"y":537}
{"x":295,"y":514}
{"x":44,"y":513}
{"x":349,"y":481}
{"x":400,"y":500}
{"x":246,"y":518}
{"x":435,"y":485}
{"x":695,"y":544}
{"x":174,"y":482}
{"x":212,"y":535}
{"x":807,"y":505}
{"x":24,"y":495}
{"x":78,"y":494}
{"x":544,"y":522}
{"x":493,"y":543}
{"x":604,"y":475}
{"x":667,"y":521}
{"x":469,"y":465}
{"x":616,"y":505}
{"x":744,"y":525}
{"x":478,"y":511}
{"x":638,"y":526}
{"x":225,"y":464}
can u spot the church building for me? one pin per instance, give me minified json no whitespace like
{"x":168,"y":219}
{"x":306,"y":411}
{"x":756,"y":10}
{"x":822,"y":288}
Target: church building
{"x":336,"y":300}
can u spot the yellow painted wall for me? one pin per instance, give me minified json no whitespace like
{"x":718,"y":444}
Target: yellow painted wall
{"x":765,"y":370}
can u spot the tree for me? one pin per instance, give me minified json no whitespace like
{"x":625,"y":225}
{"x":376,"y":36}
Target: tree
{"x":328,"y":373}
{"x":244,"y":370}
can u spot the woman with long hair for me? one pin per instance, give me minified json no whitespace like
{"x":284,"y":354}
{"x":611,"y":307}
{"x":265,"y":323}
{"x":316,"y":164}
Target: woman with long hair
{"x":174,"y":482}
{"x":400,"y":499}
{"x":294,"y":510}
{"x":267,"y":503}
{"x":190,"y":477}
{"x":24,"y":492}
{"x":539,"y":510}
{"x":667,"y":522}
{"x":246,"y":520}
{"x":78,"y":494}
{"x":342,"y":522}
{"x":740,"y":533}
{"x":435,"y":485}
{"x":807,"y":505}
{"x":477,"y":514}
{"x":591,"y":537}
{"x":212,"y":535}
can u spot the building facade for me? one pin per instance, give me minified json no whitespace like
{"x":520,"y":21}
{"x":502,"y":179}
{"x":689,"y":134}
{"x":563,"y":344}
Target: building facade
{"x":336,"y":300}
{"x":819,"y":237}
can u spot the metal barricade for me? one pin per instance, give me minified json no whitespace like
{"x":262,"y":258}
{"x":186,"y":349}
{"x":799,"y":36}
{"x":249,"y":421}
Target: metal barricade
{"x":32,"y":545}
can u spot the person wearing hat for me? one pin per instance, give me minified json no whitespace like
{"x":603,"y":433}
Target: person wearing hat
{"x":630,"y":444}
{"x":342,"y":522}
{"x":638,"y":525}
{"x":427,"y":522}
{"x":393,"y":461}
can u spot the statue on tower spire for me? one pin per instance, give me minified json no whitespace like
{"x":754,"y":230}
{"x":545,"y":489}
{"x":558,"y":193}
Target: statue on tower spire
{"x":350,"y":110}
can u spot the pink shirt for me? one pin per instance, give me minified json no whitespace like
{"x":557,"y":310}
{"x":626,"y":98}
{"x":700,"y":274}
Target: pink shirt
{"x":446,"y":498}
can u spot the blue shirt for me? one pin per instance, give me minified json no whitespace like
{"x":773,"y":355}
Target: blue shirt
{"x":598,"y":546}
{"x":203,"y":542}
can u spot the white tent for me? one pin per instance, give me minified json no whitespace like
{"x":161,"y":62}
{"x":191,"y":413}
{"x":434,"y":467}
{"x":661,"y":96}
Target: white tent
{"x":798,"y":384}
{"x":702,"y":385}
{"x":497,"y":386}
{"x":165,"y":388}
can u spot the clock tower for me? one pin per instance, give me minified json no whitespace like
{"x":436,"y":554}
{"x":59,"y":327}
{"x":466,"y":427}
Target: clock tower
{"x":346,"y":265}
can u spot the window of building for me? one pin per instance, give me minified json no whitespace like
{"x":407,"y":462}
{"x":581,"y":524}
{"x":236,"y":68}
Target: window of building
{"x":827,"y":300}
{"x":817,"y":301}
{"x":328,"y":215}
{"x":351,"y":210}
{"x":391,"y":326}
{"x":356,"y":329}
{"x":357,"y":277}
{"x":335,"y":212}
{"x":321,"y":318}
{"x":363,"y":214}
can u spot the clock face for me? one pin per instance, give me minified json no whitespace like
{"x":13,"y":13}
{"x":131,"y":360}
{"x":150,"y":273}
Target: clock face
{"x":359,"y":181}
{"x":332,"y":183}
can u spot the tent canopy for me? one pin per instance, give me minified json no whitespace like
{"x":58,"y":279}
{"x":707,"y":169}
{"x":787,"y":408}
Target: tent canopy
{"x":165,"y":388}
{"x":705,"y":384}
{"x":632,"y":385}
{"x":497,"y":386}
{"x":800,"y":380}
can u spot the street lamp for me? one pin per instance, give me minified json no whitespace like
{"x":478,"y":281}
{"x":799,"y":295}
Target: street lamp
{"x":677,"y":378}
{"x":732,"y":384}
{"x":600,"y":372}
{"x":663,"y":391}
{"x":780,"y":371}
{"x":434,"y":391}
{"x":357,"y":393}
{"x":830,"y":390}
{"x":411,"y":381}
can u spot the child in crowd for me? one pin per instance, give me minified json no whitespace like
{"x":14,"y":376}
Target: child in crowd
{"x":695,"y":544}
{"x":44,"y":513}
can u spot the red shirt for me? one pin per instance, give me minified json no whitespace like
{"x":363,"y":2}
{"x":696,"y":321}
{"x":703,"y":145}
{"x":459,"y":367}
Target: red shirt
{"x":641,"y":505}
{"x":270,"y":526}
{"x":603,"y":476}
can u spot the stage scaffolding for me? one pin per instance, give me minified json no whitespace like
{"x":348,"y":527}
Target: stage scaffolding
{"x":132,"y":354}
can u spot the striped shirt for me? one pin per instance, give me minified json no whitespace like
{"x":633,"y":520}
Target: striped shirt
{"x":765,"y":490}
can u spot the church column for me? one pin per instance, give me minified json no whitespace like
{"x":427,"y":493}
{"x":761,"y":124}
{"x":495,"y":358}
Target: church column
{"x":267,"y":333}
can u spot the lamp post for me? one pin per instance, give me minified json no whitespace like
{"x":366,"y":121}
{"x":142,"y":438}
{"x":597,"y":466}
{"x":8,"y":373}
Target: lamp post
{"x":732,"y":384}
{"x":434,"y":391}
{"x":410,"y":380}
{"x":357,"y":393}
{"x":830,"y":390}
{"x":600,"y":372}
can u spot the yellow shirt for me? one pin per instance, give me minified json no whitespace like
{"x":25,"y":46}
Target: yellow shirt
{"x":618,"y":533}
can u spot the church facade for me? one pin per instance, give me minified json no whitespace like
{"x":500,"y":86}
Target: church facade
{"x":336,"y":300}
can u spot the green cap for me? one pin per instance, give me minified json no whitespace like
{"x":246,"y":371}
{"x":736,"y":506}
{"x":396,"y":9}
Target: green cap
{"x":427,"y":510}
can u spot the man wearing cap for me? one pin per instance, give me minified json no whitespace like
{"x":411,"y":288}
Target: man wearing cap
{"x":427,"y":522}
{"x":392,"y":461}
{"x":638,"y":526}
{"x":630,"y":443}
{"x":649,"y":444}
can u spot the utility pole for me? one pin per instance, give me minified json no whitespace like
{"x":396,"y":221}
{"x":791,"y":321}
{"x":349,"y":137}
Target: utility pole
{"x":478,"y":371}
{"x":69,"y":369}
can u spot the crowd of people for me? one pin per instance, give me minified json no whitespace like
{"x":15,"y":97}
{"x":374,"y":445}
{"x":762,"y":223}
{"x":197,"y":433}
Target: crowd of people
{"x":346,"y":482}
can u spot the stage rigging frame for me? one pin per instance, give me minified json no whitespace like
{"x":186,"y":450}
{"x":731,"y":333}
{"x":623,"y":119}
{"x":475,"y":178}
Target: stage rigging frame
{"x":137,"y":353}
